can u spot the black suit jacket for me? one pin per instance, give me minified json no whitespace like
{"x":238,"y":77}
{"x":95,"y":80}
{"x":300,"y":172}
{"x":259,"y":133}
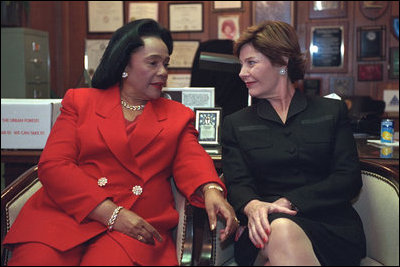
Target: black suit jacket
{"x":311,"y":160}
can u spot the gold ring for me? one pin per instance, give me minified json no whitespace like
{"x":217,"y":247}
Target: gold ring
{"x":236,"y":220}
{"x":140,"y":238}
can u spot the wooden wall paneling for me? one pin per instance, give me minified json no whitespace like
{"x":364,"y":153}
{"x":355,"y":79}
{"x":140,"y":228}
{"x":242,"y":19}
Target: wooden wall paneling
{"x":66,"y":22}
{"x":44,"y":16}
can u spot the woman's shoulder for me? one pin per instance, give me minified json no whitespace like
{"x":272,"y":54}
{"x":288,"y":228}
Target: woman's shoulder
{"x":84,"y":92}
{"x":243,"y":113}
{"x":325,"y":102}
{"x":83,"y":95}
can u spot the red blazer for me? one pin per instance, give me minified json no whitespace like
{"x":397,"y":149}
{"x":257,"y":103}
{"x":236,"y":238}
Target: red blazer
{"x":88,"y":142}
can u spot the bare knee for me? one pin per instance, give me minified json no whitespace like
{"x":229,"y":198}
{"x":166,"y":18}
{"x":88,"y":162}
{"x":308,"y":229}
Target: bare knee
{"x":284,"y":228}
{"x":284,"y":234}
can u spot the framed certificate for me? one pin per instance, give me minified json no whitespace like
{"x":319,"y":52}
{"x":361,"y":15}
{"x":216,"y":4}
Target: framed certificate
{"x":94,"y":50}
{"x":105,"y":16}
{"x":192,"y":97}
{"x":185,"y":17}
{"x":183,"y":54}
{"x":227,"y":6}
{"x":208,"y":122}
{"x":143,"y":11}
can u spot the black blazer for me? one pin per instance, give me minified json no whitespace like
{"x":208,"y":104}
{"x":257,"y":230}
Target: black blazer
{"x":311,"y":160}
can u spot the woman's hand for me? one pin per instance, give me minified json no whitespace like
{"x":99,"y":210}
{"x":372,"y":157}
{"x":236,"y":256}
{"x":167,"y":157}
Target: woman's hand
{"x":257,"y":213}
{"x":135,"y":226}
{"x":216,"y":204}
{"x":284,"y":202}
{"x":127,"y":222}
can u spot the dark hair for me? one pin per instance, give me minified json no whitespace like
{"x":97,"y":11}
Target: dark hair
{"x":123,"y":42}
{"x":275,"y":40}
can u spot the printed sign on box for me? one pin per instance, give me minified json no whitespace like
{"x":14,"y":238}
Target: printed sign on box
{"x":26,"y":123}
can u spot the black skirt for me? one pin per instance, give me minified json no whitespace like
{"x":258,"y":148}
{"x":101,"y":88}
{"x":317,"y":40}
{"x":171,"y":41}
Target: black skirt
{"x":330,"y":249}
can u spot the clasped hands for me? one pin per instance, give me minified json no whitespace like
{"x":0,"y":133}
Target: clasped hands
{"x":257,"y":213}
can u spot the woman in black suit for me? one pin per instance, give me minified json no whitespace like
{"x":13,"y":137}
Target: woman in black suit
{"x":290,"y":161}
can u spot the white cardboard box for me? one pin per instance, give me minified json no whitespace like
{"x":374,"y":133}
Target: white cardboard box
{"x":26,"y":123}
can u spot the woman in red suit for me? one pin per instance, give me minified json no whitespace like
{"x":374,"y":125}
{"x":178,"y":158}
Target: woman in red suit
{"x":106,"y":197}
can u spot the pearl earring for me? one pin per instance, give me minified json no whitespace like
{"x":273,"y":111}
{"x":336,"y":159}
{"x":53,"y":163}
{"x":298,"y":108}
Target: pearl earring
{"x":282,"y":71}
{"x":124,"y":74}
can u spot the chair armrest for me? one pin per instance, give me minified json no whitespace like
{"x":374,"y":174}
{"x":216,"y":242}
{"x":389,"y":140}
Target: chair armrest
{"x":13,"y":197}
{"x":378,"y":207}
{"x":184,"y":232}
{"x":194,"y":240}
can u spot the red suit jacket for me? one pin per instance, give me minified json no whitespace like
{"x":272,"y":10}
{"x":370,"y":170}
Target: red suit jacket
{"x":88,"y":142}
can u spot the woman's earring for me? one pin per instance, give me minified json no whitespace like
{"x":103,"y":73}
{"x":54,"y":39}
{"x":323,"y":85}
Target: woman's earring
{"x":282,"y":71}
{"x":124,"y":74}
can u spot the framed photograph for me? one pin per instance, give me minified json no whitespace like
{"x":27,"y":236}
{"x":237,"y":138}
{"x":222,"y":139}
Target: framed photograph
{"x":185,"y":17}
{"x":192,"y":97}
{"x":371,"y":43}
{"x":342,"y":86}
{"x":228,"y":27}
{"x":105,"y":16}
{"x":274,"y":10}
{"x":370,"y":72}
{"x":394,"y":26}
{"x":327,"y":9}
{"x":183,"y":54}
{"x":142,"y":11}
{"x":227,"y":6}
{"x":373,"y":9}
{"x":208,"y":122}
{"x":394,"y":63}
{"x":327,"y":47}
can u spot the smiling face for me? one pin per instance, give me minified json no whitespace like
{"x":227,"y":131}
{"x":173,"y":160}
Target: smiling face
{"x":147,"y":70}
{"x":259,"y":75}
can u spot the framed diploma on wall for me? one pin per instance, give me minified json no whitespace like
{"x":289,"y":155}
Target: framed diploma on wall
{"x":186,"y":17}
{"x":105,"y":16}
{"x":208,"y":122}
{"x":183,"y":54}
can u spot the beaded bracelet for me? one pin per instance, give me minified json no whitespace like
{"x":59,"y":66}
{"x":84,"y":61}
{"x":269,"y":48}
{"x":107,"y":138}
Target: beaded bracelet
{"x":113,"y":217}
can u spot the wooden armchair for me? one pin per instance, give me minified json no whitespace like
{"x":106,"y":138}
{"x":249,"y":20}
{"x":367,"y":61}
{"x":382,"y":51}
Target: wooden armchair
{"x":378,"y":206}
{"x":188,"y":233}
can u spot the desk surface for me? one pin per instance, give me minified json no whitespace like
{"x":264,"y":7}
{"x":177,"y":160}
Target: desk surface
{"x":386,"y":155}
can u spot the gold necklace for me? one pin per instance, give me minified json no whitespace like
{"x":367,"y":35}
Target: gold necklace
{"x":131,"y":107}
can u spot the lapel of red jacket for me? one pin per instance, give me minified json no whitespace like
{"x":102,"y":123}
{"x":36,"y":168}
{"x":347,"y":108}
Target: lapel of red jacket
{"x":149,"y":126}
{"x":112,"y":128}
